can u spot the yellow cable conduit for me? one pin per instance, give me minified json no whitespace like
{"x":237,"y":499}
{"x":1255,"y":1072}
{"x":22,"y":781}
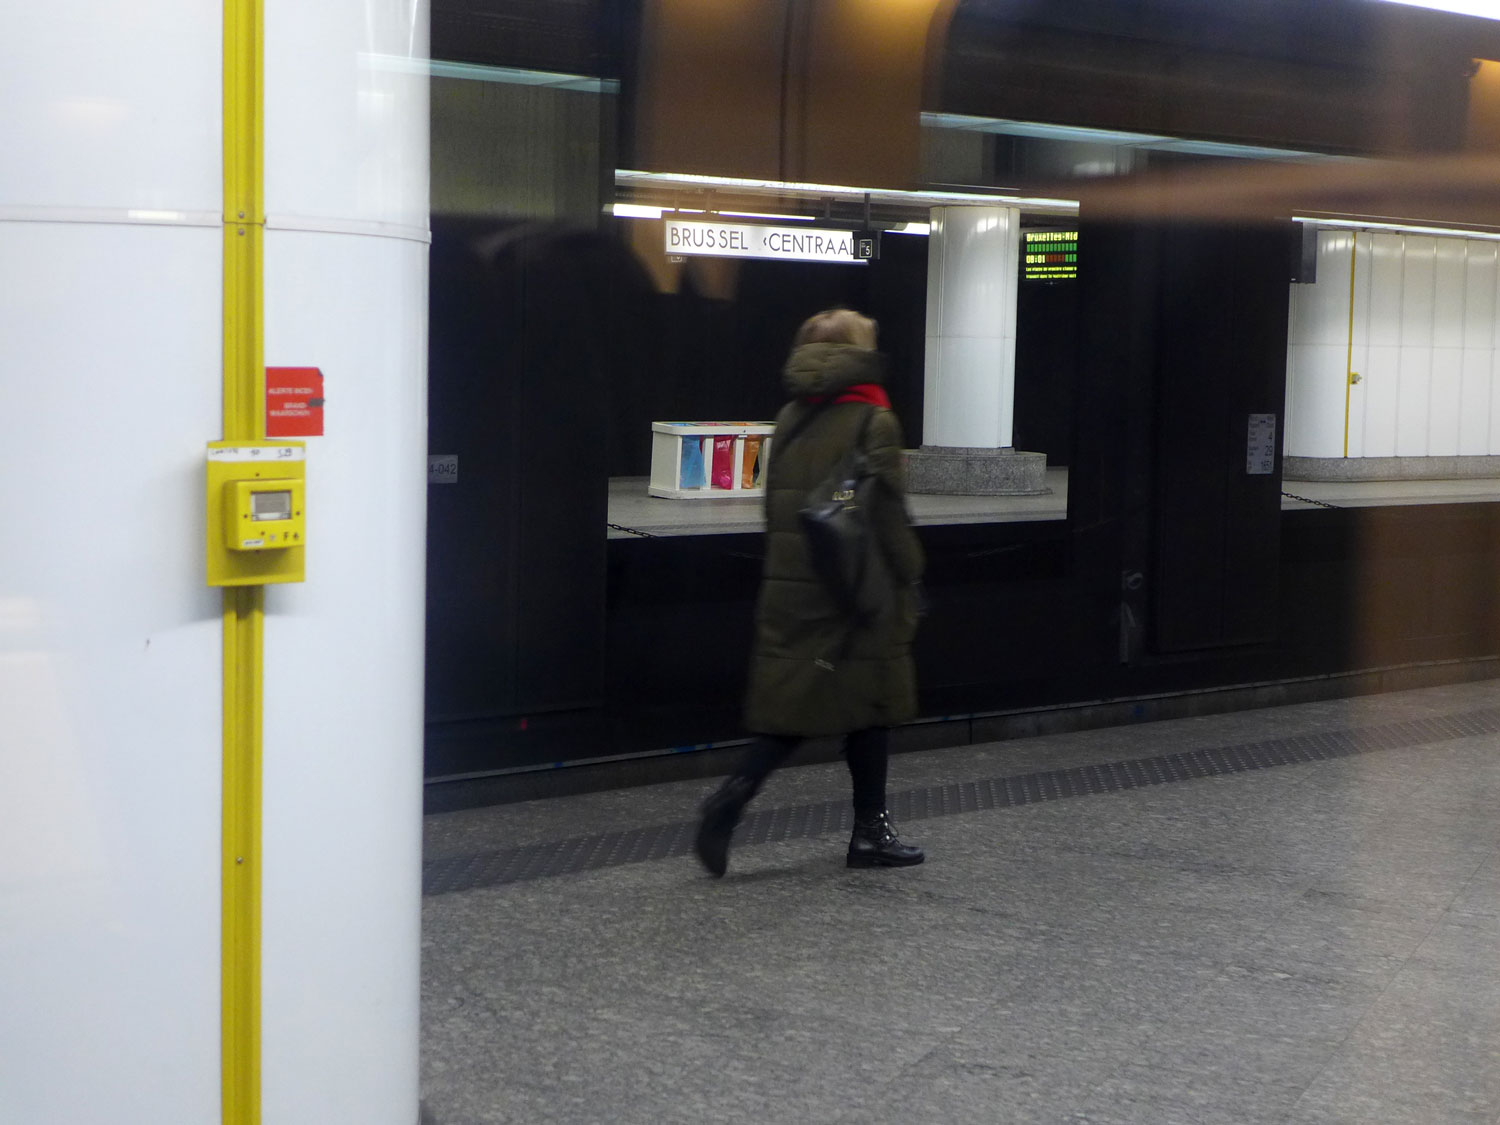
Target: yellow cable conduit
{"x":244,"y":606}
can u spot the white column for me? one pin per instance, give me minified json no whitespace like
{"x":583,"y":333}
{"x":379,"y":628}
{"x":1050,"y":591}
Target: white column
{"x":346,"y":291}
{"x":110,"y":642}
{"x":972,"y":269}
{"x":110,"y":259}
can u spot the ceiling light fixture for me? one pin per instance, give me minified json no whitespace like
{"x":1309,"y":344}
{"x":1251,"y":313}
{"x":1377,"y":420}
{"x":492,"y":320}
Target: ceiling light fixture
{"x":784,"y":188}
{"x":1112,"y":138}
{"x":1399,"y":228}
{"x":476,"y":72}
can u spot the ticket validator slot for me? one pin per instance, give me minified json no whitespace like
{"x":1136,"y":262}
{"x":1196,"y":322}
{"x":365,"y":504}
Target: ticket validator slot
{"x":257,"y":523}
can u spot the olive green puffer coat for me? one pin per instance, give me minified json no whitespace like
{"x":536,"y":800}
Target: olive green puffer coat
{"x":803,"y":681}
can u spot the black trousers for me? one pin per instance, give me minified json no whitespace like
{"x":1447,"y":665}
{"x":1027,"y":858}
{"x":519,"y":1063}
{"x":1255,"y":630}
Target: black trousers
{"x":867,"y":752}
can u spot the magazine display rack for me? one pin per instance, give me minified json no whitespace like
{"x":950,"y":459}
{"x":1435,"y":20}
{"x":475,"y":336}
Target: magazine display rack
{"x":709,"y":460}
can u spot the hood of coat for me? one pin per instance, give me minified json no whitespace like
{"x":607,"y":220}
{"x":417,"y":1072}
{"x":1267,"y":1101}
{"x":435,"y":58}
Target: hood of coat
{"x":822,"y":369}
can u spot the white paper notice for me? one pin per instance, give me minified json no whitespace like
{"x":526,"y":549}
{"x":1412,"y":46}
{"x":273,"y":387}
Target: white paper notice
{"x":1260,"y":450}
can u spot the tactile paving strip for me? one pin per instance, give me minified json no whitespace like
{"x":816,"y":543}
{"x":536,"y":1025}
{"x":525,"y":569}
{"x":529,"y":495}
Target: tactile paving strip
{"x":639,"y":845}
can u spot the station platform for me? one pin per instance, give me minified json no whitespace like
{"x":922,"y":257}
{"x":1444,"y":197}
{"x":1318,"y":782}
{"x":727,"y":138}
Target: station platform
{"x":631,"y":506}
{"x":633,"y":511}
{"x":1286,"y":915}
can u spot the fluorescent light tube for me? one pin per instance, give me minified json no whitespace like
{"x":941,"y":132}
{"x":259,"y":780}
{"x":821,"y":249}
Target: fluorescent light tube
{"x":818,"y":191}
{"x":765,"y":215}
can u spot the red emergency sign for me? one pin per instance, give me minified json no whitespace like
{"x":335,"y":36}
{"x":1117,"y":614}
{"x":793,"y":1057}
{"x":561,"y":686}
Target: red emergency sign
{"x":294,"y":402}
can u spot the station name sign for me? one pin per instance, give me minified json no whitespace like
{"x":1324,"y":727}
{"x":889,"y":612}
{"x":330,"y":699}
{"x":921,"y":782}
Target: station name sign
{"x":743,"y":240}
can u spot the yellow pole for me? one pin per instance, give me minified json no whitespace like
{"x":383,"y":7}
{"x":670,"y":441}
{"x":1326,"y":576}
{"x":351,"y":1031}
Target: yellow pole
{"x":244,"y":607}
{"x":244,"y":613}
{"x":1349,"y":358}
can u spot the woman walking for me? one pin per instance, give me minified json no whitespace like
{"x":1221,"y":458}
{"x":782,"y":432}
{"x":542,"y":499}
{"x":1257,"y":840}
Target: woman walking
{"x":816,"y":669}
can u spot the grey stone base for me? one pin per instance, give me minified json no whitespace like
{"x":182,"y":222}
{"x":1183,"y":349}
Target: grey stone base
{"x":964,"y":471}
{"x":1389,"y":468}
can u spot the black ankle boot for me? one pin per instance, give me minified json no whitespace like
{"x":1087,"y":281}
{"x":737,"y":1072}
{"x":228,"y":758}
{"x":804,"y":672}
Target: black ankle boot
{"x":875,"y":844}
{"x":721,"y":812}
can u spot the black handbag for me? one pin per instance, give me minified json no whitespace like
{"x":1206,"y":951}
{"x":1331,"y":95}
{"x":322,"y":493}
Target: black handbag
{"x":841,"y":544}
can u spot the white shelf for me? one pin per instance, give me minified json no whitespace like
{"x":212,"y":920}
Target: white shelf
{"x":724,"y":471}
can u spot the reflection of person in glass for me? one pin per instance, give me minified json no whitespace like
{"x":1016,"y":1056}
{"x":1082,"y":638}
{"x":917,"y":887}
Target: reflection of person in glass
{"x":815,"y":670}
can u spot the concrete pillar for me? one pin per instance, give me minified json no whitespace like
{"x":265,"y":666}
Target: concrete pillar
{"x":972,"y":273}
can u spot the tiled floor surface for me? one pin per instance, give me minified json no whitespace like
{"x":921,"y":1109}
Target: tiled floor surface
{"x":1306,"y":944}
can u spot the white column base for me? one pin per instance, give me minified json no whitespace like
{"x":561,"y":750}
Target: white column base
{"x":975,"y":471}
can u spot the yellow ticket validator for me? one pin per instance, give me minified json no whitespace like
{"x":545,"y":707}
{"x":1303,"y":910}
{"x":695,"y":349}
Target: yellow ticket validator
{"x":257,"y":522}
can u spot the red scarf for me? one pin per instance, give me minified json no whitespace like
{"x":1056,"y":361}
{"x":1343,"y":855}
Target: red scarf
{"x":872,"y":393}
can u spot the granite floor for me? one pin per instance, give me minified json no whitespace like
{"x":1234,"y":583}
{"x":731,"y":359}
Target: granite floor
{"x":1309,"y":943}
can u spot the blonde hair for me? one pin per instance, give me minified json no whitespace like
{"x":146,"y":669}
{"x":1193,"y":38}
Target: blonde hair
{"x":837,"y":326}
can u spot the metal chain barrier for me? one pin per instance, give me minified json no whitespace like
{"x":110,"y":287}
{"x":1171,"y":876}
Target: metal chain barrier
{"x":632,"y":531}
{"x":1310,"y":500}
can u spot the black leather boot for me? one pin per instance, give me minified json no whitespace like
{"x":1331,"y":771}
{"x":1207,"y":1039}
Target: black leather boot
{"x":875,"y":844}
{"x":721,"y":812}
